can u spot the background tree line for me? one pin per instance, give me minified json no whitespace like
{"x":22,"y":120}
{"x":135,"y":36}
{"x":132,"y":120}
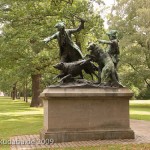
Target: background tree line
{"x":132,"y":19}
{"x":26,"y":62}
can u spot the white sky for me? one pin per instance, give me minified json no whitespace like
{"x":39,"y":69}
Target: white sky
{"x":109,"y":2}
{"x":104,"y":12}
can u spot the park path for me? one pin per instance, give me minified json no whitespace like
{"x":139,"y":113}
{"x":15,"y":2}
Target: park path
{"x":140,"y":127}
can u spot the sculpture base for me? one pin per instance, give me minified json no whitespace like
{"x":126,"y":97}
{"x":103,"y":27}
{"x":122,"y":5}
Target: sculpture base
{"x":59,"y":137}
{"x":80,"y":114}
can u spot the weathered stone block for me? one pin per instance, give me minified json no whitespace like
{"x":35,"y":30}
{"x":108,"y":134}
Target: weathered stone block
{"x":76,"y":114}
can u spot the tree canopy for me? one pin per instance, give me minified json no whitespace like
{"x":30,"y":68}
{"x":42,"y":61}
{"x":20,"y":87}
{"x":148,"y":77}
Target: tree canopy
{"x":26,"y":23}
{"x":25,"y":59}
{"x":131,"y":18}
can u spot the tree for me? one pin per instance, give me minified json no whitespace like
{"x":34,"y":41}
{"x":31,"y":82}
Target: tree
{"x":20,"y":44}
{"x":131,"y":18}
{"x":27,"y":23}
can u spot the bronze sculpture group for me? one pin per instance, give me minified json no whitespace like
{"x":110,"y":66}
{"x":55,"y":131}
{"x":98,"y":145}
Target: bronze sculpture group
{"x":72,"y":62}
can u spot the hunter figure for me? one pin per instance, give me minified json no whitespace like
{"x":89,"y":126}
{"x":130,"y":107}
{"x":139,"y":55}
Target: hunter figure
{"x":69,"y":51}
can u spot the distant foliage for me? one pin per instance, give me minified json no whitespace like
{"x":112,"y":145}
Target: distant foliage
{"x":132,"y":20}
{"x":26,"y":24}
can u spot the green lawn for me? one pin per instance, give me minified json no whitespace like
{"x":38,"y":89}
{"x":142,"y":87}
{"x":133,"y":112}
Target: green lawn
{"x":17,"y":118}
{"x":140,"y":109}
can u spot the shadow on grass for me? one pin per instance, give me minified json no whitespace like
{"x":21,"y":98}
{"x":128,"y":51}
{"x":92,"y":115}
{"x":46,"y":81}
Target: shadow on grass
{"x":140,"y":117}
{"x":18,"y":118}
{"x":29,"y":118}
{"x":8,"y":105}
{"x":140,"y":105}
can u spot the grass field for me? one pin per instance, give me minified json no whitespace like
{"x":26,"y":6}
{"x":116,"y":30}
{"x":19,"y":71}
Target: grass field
{"x":17,"y":118}
{"x":140,"y":109}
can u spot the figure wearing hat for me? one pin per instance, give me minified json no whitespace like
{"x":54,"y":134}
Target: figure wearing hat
{"x":113,"y":47}
{"x":69,"y":51}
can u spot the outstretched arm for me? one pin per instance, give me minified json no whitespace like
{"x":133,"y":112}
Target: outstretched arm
{"x":81,"y":26}
{"x":105,"y":42}
{"x":54,"y":36}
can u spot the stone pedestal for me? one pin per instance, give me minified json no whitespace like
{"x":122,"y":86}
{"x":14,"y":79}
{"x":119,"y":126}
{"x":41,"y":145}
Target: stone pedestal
{"x":77,"y":114}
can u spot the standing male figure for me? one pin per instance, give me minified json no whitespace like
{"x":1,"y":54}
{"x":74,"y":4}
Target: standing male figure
{"x":113,"y":47}
{"x":69,"y":51}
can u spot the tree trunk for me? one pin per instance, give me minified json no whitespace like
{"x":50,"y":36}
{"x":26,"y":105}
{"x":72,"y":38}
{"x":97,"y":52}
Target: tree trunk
{"x":25,"y":91}
{"x":14,"y":91}
{"x":18,"y":95}
{"x":35,"y":102}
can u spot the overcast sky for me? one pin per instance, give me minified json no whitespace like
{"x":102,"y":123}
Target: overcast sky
{"x":108,"y":3}
{"x":104,"y":11}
